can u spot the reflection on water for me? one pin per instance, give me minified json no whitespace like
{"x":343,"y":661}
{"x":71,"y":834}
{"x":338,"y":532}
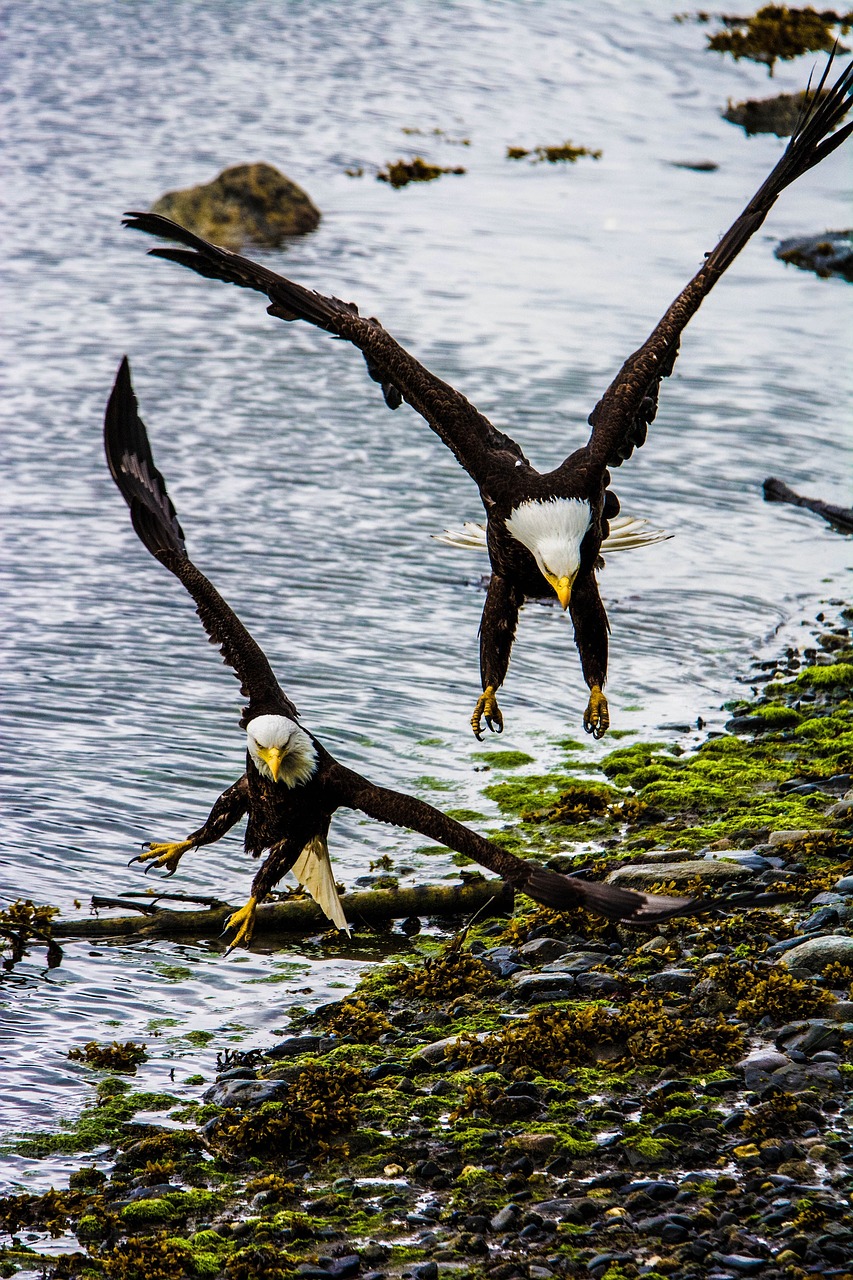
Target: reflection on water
{"x":307,"y":502}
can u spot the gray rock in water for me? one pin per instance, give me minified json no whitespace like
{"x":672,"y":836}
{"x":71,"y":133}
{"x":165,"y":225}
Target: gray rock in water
{"x":777,"y":115}
{"x":679,"y":873}
{"x":830,"y":254}
{"x":245,"y":1093}
{"x":817,"y":953}
{"x":246,"y":204}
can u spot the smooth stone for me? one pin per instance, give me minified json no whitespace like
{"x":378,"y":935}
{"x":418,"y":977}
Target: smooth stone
{"x":506,"y":1218}
{"x":245,"y":1093}
{"x":843,"y":809}
{"x":793,"y":837}
{"x":543,"y":986}
{"x":424,"y":1271}
{"x":247,"y":203}
{"x":671,"y":980}
{"x":679,"y":873}
{"x":598,"y":984}
{"x":824,"y":918}
{"x":817,"y":953}
{"x":759,"y":1064}
{"x":744,"y":857}
{"x":346,"y":1266}
{"x":437,"y":1051}
{"x":844,"y":885}
{"x":576,"y":962}
{"x":293,"y":1046}
{"x":543,"y":950}
{"x":739,"y":1262}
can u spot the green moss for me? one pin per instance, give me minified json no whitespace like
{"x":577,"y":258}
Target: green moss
{"x":99,"y":1125}
{"x":201,"y":1038}
{"x":504,"y":759}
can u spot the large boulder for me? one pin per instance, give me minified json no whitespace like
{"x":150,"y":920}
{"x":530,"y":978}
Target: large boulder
{"x":247,"y":204}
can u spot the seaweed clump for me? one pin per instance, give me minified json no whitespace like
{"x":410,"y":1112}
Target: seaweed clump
{"x":148,"y":1258}
{"x":776,"y":31}
{"x":355,"y":1020}
{"x":22,"y":923}
{"x":452,"y":973}
{"x":110,"y":1057}
{"x":564,"y":152}
{"x":768,"y":992}
{"x":320,"y":1104}
{"x":402,"y":172}
{"x":643,"y":1031}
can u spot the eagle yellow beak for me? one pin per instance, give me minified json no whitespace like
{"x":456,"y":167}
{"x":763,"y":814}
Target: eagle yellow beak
{"x":272,"y":758}
{"x":562,"y":587}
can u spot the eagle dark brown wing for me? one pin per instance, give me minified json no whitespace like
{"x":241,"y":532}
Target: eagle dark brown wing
{"x":156,"y":523}
{"x":560,"y":893}
{"x":622,"y":416}
{"x":477,"y":445}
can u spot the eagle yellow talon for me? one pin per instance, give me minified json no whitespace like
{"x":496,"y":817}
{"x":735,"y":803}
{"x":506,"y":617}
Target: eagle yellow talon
{"x":487,"y":708}
{"x":244,"y":922}
{"x":596,"y":718}
{"x":163,"y":855}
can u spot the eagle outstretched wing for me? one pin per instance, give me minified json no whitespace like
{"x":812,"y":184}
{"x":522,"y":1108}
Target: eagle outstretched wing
{"x":622,"y":416}
{"x":477,"y":445}
{"x":143,"y":488}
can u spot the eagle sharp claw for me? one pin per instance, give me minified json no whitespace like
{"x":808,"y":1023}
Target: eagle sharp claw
{"x":244,"y":923}
{"x":487,"y":709}
{"x":596,"y":718}
{"x":162,"y":855}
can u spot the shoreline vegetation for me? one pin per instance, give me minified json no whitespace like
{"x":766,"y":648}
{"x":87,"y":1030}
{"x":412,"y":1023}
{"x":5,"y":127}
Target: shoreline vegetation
{"x":538,"y":1095}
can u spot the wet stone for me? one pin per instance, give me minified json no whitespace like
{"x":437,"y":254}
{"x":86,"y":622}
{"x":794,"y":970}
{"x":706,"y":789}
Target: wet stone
{"x":534,"y":987}
{"x":543,"y":950}
{"x":295,"y":1045}
{"x":671,"y":980}
{"x":598,"y":984}
{"x":816,"y":953}
{"x":245,"y":1093}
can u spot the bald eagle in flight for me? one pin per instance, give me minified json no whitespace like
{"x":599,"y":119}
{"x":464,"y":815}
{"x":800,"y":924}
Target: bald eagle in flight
{"x":544,"y":533}
{"x":292,"y":785}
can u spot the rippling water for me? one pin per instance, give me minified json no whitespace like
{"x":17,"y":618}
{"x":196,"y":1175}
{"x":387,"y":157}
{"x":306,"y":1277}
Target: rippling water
{"x":309,"y":504}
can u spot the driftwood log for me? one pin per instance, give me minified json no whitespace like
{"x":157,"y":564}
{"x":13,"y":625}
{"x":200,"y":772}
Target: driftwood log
{"x":295,"y":915}
{"x":840,"y":518}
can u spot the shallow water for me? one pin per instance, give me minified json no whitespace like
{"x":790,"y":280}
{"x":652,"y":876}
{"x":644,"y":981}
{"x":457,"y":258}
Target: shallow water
{"x":311,"y":506}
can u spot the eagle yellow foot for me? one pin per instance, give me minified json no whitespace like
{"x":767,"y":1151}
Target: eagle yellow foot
{"x":596,"y":718}
{"x":487,"y":708}
{"x":244,"y":923}
{"x":163,"y":855}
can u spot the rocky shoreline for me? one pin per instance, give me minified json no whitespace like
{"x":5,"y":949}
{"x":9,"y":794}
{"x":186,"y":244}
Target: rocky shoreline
{"x":539,"y":1096}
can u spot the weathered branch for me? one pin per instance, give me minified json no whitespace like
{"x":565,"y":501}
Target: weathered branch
{"x":296,"y":915}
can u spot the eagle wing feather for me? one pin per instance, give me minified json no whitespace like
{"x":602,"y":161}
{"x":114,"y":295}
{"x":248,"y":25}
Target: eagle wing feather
{"x":154,"y":518}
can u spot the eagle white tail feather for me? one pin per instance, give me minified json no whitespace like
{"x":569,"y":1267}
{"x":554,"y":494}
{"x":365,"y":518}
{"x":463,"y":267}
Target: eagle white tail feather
{"x":626,"y":532}
{"x":313,"y":870}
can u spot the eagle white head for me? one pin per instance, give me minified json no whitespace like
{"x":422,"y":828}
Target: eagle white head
{"x":553,"y":530}
{"x":281,"y":750}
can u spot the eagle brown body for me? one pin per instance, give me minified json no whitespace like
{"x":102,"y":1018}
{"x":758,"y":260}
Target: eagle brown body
{"x":495,"y":462}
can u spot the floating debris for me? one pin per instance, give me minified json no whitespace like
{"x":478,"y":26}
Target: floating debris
{"x":777,"y":32}
{"x":23,"y":923}
{"x":402,"y":172}
{"x":110,"y":1057}
{"x":566,"y":152}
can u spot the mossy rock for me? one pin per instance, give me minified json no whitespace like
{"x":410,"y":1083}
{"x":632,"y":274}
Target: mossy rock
{"x":246,"y":204}
{"x":778,"y":115}
{"x":829,"y":254}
